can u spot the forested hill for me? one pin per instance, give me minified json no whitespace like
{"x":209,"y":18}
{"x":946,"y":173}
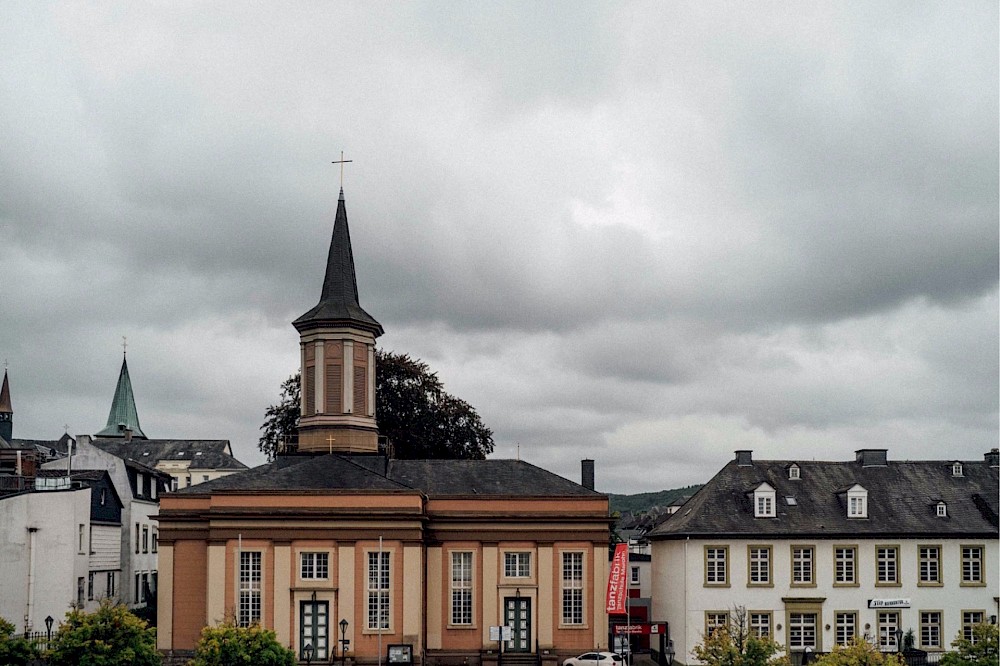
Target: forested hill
{"x":643,"y":502}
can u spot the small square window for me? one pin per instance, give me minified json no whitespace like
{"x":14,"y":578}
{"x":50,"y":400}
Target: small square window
{"x":517,"y":565}
{"x":942,"y":510}
{"x":315,"y":566}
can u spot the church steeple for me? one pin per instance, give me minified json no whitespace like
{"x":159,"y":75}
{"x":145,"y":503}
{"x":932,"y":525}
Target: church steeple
{"x":123,"y":417}
{"x":337,"y":343}
{"x":6,"y":411}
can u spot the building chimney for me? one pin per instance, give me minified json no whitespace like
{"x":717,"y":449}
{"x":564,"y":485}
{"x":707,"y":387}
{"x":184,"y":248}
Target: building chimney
{"x":587,"y":473}
{"x":744,"y":458}
{"x":128,"y":435}
{"x":871,"y":457}
{"x":993,"y":458}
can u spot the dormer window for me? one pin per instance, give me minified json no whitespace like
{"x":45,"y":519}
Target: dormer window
{"x":794,"y":471}
{"x":763,"y":501}
{"x":857,"y":502}
{"x":956,"y":469}
{"x":942,"y":510}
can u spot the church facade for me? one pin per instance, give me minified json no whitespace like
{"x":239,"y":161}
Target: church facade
{"x":343,"y":550}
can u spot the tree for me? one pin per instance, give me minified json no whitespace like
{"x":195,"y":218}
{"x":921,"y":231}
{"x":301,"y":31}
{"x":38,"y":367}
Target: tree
{"x":982,"y":650}
{"x":14,"y":650}
{"x":859,"y":652}
{"x":227,"y":644}
{"x":735,"y":644}
{"x":110,"y":636}
{"x":413,"y":410}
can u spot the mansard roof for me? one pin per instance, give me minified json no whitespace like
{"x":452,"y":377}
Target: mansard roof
{"x":338,"y":304}
{"x":433,"y":478}
{"x":123,"y":415}
{"x":202,"y":453}
{"x":902,"y":496}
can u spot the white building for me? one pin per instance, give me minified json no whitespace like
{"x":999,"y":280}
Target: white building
{"x":818,"y":552}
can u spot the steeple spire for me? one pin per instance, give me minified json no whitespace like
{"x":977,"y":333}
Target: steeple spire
{"x":123,"y":416}
{"x":6,"y":411}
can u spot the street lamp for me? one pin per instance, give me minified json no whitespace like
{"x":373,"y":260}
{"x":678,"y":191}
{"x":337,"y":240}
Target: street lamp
{"x":669,"y":652}
{"x":48,"y":628}
{"x":308,"y":650}
{"x":343,"y":640}
{"x":899,"y":639}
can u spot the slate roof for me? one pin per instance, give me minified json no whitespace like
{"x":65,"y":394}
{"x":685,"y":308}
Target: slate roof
{"x":123,"y":414}
{"x":203,"y":453}
{"x":338,"y":304}
{"x":901,"y":501}
{"x":433,"y":478}
{"x":5,"y":405}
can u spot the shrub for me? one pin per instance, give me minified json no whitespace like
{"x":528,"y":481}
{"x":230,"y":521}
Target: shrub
{"x":227,"y":644}
{"x":734,"y":644}
{"x":14,"y":650}
{"x":982,"y":650}
{"x":859,"y":653}
{"x":110,"y":636}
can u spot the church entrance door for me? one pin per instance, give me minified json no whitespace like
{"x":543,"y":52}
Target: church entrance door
{"x":517,"y":616}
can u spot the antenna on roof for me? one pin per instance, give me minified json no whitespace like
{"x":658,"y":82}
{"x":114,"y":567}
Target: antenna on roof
{"x":124,"y":345}
{"x":519,"y":451}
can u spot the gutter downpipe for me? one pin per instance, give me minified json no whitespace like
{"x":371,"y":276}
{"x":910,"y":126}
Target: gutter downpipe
{"x":686,"y":599}
{"x":31,"y":579}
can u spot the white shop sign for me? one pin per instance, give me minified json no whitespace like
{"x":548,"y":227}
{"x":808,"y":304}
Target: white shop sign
{"x":888,"y":603}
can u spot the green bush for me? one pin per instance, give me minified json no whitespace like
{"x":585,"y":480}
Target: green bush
{"x":736,"y":645}
{"x":110,"y":636}
{"x":14,"y":650}
{"x":859,"y":653}
{"x":228,"y":645}
{"x":982,"y":650}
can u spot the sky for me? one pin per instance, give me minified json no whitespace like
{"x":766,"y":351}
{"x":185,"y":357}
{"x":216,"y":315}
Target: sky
{"x":644,"y":233}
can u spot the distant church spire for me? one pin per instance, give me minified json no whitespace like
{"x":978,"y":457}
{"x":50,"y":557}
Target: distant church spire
{"x":337,"y":345}
{"x":6,"y":411}
{"x":123,"y":416}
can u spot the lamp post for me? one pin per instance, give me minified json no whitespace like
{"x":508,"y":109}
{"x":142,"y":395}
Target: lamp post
{"x":48,"y":628}
{"x":899,"y":639}
{"x":308,"y":650}
{"x":669,"y":652}
{"x":343,"y":641}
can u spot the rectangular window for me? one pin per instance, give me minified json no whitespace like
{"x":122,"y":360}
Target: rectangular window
{"x":309,"y":386}
{"x":802,"y":565}
{"x":929,"y":564}
{"x":138,"y":589}
{"x":80,"y":583}
{"x":517,"y":565}
{"x":801,"y":631}
{"x":972,"y":565}
{"x":314,"y":566}
{"x":360,"y":389}
{"x":248,"y":612}
{"x":173,"y":483}
{"x":110,"y":586}
{"x":715,"y":565}
{"x":760,"y":624}
{"x":138,"y":536}
{"x":765,"y":506}
{"x":90,"y":586}
{"x":144,"y":589}
{"x":715,"y":620}
{"x":759,"y":559}
{"x":887,"y":565}
{"x":969,"y":620}
{"x":930,"y":630}
{"x":334,"y":388}
{"x":844,"y":564}
{"x":857,"y":507}
{"x":378,"y":591}
{"x":888,"y":623}
{"x":461,"y":588}
{"x":572,"y":588}
{"x":155,"y":540}
{"x":846,"y":627}
{"x":634,"y":580}
{"x":145,"y":539}
{"x":81,"y":535}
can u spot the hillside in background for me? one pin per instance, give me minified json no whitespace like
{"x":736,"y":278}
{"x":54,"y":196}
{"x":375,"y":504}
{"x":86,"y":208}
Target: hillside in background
{"x":643,"y":502}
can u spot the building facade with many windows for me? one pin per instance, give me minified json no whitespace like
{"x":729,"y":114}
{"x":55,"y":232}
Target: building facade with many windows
{"x":815,"y":553}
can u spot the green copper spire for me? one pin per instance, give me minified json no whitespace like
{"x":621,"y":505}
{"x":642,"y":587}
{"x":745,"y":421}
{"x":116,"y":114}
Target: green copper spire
{"x":123,"y":415}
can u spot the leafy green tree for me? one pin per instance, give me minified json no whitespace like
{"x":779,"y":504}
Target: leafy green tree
{"x":110,"y":636}
{"x":227,"y":644}
{"x":15,"y":650}
{"x":735,"y":644}
{"x":982,"y":650}
{"x":413,"y":410}
{"x":859,"y":652}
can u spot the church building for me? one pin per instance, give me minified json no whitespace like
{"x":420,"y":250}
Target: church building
{"x":343,"y":550}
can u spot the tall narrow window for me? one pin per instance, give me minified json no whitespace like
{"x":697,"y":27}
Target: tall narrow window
{"x":888,"y":623}
{"x":969,"y":620}
{"x":716,"y":570}
{"x":930,"y":630}
{"x":572,"y":588}
{"x":887,"y":565}
{"x":250,"y":588}
{"x":80,"y":535}
{"x":334,"y":388}
{"x":378,"y":591}
{"x":846,"y":627}
{"x":310,"y":391}
{"x":461,"y":588}
{"x":930,"y":564}
{"x":360,"y":389}
{"x":844,"y":561}
{"x":138,"y":536}
{"x":802,"y":565}
{"x":802,"y":631}
{"x":154,"y":541}
{"x":760,"y":565}
{"x":972,"y":565}
{"x":90,"y":586}
{"x":314,"y":629}
{"x":634,"y":580}
{"x":145,"y":538}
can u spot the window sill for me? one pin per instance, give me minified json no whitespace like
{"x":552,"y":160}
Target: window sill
{"x":896,"y":584}
{"x":574,"y":626}
{"x":978,"y":584}
{"x":721,"y":585}
{"x":847,"y":584}
{"x":930,"y":584}
{"x":461,"y":627}
{"x":760,"y":584}
{"x":802,"y":585}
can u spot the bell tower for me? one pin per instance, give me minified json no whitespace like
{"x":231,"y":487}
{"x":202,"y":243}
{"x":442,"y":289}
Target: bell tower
{"x":337,"y":346}
{"x":6,"y":411}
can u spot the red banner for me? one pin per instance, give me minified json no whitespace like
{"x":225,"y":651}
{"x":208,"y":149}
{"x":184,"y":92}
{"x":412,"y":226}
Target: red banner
{"x":618,"y":580}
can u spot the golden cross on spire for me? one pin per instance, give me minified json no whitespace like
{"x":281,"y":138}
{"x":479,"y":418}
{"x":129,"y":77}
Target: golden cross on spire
{"x":330,"y":440}
{"x":341,"y":162}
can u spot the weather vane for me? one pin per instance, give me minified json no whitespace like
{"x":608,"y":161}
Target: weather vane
{"x":124,"y":345}
{"x":341,"y":162}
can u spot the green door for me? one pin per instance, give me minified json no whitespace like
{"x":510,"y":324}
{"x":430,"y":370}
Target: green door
{"x":517,"y":616}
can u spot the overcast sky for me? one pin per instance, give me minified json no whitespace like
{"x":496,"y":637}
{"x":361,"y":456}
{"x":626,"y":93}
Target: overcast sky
{"x":644,"y":233}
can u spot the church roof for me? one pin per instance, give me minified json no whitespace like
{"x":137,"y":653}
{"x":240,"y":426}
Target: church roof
{"x":433,"y":478}
{"x":338,"y":304}
{"x":5,"y":406}
{"x":202,"y":453}
{"x":123,"y":415}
